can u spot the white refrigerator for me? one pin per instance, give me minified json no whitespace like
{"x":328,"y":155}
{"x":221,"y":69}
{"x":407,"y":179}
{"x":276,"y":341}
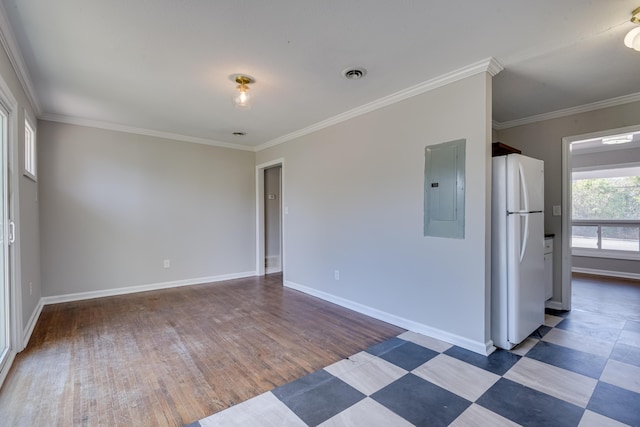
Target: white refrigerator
{"x":517,"y":256}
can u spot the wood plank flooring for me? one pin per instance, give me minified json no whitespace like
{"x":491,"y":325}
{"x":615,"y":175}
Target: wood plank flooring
{"x":606,"y":295}
{"x":173,"y":356}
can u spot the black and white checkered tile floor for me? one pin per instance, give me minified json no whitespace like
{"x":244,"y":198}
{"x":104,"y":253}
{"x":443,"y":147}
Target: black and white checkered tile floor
{"x":580,"y":369}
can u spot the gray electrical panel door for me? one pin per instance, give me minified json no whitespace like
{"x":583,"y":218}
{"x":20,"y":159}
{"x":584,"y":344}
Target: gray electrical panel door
{"x":444,"y":182}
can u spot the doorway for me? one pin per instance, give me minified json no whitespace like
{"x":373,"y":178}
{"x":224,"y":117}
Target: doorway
{"x":270,"y":211}
{"x":273,"y":219}
{"x":595,"y":236}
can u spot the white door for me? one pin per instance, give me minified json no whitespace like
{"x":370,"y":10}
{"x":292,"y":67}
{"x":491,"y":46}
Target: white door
{"x":526,"y":275}
{"x":526,"y":176}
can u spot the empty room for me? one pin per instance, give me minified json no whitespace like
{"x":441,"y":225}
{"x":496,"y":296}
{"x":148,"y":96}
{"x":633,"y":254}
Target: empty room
{"x":245,"y":213}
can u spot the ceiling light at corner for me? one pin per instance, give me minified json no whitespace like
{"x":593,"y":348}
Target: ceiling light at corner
{"x":243,"y":100}
{"x":632,"y":39}
{"x":619,"y":139}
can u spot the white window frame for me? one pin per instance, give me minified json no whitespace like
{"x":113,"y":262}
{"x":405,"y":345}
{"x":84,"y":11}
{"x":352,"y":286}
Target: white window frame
{"x":30,"y":150}
{"x":599,"y":252}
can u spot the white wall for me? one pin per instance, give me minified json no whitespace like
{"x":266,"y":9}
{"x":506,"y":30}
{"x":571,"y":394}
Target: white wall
{"x":543,"y":140}
{"x":354,"y":194}
{"x":115,"y":205}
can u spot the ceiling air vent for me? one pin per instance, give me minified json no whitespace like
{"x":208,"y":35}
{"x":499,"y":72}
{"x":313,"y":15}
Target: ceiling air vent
{"x":354,"y":73}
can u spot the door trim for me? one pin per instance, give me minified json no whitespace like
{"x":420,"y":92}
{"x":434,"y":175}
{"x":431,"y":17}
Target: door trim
{"x":15,"y":337}
{"x":565,"y":301}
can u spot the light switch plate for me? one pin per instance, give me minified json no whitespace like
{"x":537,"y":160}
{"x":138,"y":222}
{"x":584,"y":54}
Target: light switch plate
{"x":557,"y":210}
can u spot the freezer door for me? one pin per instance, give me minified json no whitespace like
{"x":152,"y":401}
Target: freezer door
{"x":525,"y":184}
{"x":525,"y":272}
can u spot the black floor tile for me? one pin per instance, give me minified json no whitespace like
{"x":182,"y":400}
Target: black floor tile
{"x":421,"y":402}
{"x":408,"y":355}
{"x":529,"y":407}
{"x":592,"y":325}
{"x":626,"y":353}
{"x":318,"y":396}
{"x":540,"y":332}
{"x":617,"y":403}
{"x":583,"y":363}
{"x":498,"y":362}
{"x":385,"y":346}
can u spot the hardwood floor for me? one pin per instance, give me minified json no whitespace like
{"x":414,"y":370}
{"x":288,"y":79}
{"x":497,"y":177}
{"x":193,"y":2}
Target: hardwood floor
{"x":173,"y":356}
{"x":606,"y":295}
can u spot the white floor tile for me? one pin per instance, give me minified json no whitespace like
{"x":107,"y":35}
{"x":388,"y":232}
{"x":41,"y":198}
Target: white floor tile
{"x":591,"y":419}
{"x":476,"y":416}
{"x":368,"y":413}
{"x":425,"y":341}
{"x":263,"y":410}
{"x":457,"y":376}
{"x":578,"y":342}
{"x":524,"y":347}
{"x":367,"y":376}
{"x":352,"y":362}
{"x":554,"y":381}
{"x":622,"y":375}
{"x":552,"y":321}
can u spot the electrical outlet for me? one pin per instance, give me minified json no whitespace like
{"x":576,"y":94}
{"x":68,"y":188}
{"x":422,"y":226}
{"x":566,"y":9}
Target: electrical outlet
{"x":336,"y":274}
{"x":167,"y":263}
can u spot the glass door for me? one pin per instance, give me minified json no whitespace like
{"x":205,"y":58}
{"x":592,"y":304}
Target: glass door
{"x":4,"y":242}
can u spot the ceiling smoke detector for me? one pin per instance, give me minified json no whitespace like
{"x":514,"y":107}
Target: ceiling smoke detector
{"x":354,"y":73}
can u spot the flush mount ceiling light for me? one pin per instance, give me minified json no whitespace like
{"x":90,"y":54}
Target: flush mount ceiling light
{"x":632,"y":39}
{"x":243,"y":99}
{"x":618,"y":139}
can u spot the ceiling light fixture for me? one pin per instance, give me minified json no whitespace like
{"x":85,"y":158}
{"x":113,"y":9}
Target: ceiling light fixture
{"x":632,"y":39}
{"x":243,"y":99}
{"x":618,"y":139}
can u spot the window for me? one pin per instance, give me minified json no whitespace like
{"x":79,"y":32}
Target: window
{"x":606,"y":211}
{"x":29,"y":151}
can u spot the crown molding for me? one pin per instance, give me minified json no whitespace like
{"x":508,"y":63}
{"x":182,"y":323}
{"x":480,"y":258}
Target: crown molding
{"x":613,"y":102}
{"x":489,"y":65}
{"x":10,"y":45}
{"x":140,"y":131}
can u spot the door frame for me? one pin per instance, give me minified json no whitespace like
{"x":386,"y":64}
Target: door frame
{"x":12,"y":176}
{"x":260,"y":224}
{"x":565,"y":302}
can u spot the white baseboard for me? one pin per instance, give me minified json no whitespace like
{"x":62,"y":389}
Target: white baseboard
{"x":620,"y":274}
{"x":475,"y":346}
{"x":28,"y":330}
{"x":143,"y":288}
{"x":271,"y":270}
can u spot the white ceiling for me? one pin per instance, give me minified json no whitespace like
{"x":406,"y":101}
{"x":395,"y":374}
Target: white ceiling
{"x":165,"y":65}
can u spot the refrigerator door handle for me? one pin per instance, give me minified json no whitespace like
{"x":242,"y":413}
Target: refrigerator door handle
{"x":525,"y":238}
{"x":522,"y":212}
